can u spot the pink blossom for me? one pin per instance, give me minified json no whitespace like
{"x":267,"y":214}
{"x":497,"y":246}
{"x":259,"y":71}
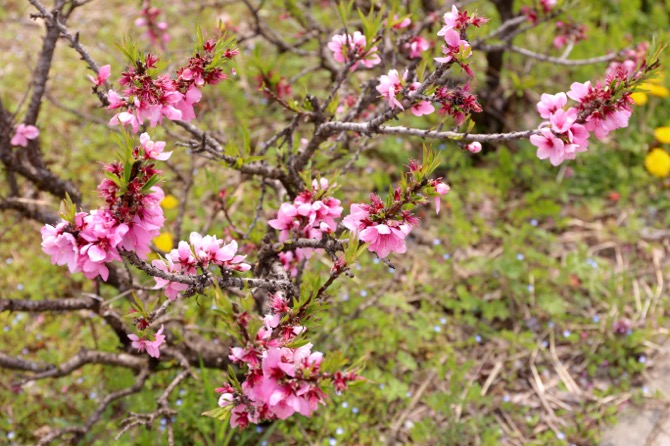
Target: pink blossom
{"x":172,"y":289}
{"x":285,"y":221}
{"x":561,"y":120}
{"x":100,"y":237}
{"x":153,"y":150}
{"x":346,"y":47}
{"x":311,"y":214}
{"x":417,"y":46}
{"x":612,"y":121}
{"x":389,"y":85}
{"x":550,"y":103}
{"x":399,"y":24}
{"x":209,"y":249}
{"x":560,"y":41}
{"x":454,"y":46}
{"x":450,"y":20}
{"x":151,"y":347}
{"x":549,"y":146}
{"x":441,"y":189}
{"x":422,"y":108}
{"x":102,"y":76}
{"x":126,"y":118}
{"x":185,"y":106}
{"x":474,"y":147}
{"x":579,"y":91}
{"x":60,"y":245}
{"x":384,"y":238}
{"x":184,"y":257}
{"x":23,"y":134}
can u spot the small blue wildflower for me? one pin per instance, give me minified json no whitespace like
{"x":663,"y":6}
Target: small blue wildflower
{"x":409,"y":394}
{"x":332,"y":441}
{"x":375,"y":260}
{"x":364,"y":293}
{"x":530,"y":288}
{"x":437,"y":242}
{"x":446,"y":256}
{"x":550,"y":324}
{"x":478,"y":339}
{"x":163,"y":421}
{"x":11,"y":435}
{"x":442,"y":146}
{"x":339,"y":431}
{"x":213,"y":307}
{"x":7,"y":328}
{"x":381,"y":386}
{"x":80,"y":380}
{"x":9,"y":261}
{"x":566,"y":333}
{"x":443,"y":320}
{"x":179,"y":402}
{"x":506,"y":399}
{"x":596,"y":318}
{"x":533,"y":222}
{"x":93,"y":395}
{"x":520,"y":257}
{"x":592,"y":263}
{"x":391,"y":270}
{"x":545,"y":344}
{"x":345,"y":404}
{"x":645,"y":390}
{"x":264,"y":443}
{"x":560,"y":435}
{"x":355,"y":410}
{"x":437,"y":329}
{"x":182,"y":392}
{"x":259,"y":429}
{"x":642,"y":359}
{"x":20,"y":287}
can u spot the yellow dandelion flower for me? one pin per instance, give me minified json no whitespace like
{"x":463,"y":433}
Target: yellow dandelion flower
{"x":639,"y":98}
{"x":164,"y":242}
{"x":657,"y":163}
{"x":654,"y":89}
{"x":169,"y":202}
{"x":662,"y":134}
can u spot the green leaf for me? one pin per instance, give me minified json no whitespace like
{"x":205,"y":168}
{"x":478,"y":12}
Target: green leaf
{"x":220,"y":413}
{"x":151,"y":183}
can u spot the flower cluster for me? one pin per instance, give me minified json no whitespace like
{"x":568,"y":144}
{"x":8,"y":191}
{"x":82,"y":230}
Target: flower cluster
{"x":279,"y":380}
{"x":156,"y":30}
{"x":568,"y":32}
{"x":148,"y":95}
{"x":353,"y":48}
{"x":391,"y":84}
{"x":310,"y":215}
{"x":456,"y":48}
{"x":199,"y":254}
{"x":533,"y":14}
{"x":601,"y":108}
{"x":384,"y":226}
{"x":457,"y":102}
{"x":144,"y":344}
{"x":85,"y":242}
{"x":384,"y":235}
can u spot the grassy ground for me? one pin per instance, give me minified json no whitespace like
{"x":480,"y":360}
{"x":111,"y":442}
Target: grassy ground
{"x":498,"y":327}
